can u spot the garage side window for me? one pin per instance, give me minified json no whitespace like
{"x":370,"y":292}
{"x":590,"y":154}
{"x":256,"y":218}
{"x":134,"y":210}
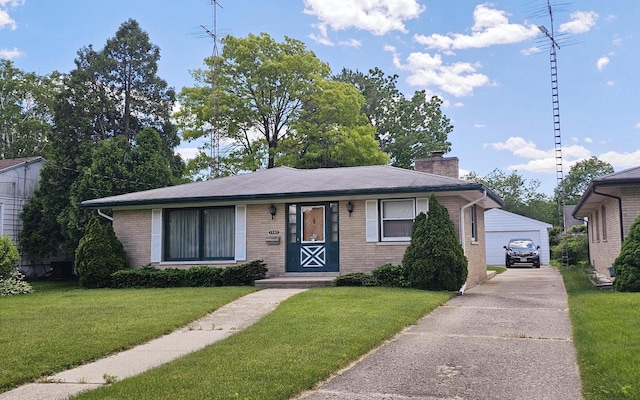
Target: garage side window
{"x":596,"y":226}
{"x":474,"y":223}
{"x":604,"y":223}
{"x":200,"y":234}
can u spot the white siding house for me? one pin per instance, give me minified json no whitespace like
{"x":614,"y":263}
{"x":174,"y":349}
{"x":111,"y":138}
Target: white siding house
{"x":500,"y":226}
{"x":19,"y":179}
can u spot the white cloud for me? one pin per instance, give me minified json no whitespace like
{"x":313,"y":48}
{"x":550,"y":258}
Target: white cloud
{"x":11,"y":3}
{"x":458,"y":104}
{"x":491,"y":27}
{"x":479,"y":126}
{"x":6,"y":20}
{"x":638,"y":125}
{"x":10,"y":54}
{"x":188,"y":153}
{"x":574,"y":139}
{"x":457,"y":79}
{"x":621,"y":160}
{"x":602,"y":63}
{"x":350,"y":43}
{"x":611,"y":83}
{"x":543,"y":161}
{"x":617,"y":41}
{"x":378,"y":17}
{"x":581,"y":22}
{"x":588,"y":140}
{"x":530,"y":51}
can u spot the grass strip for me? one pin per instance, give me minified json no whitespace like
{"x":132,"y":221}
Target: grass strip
{"x":306,"y":339}
{"x":52,"y":330}
{"x":498,"y":269}
{"x":605,"y":332}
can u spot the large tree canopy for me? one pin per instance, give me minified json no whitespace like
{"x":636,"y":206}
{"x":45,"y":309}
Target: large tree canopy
{"x":580,"y":175}
{"x":406,"y":129}
{"x":275,"y":104}
{"x":111,"y":122}
{"x":25,"y":111}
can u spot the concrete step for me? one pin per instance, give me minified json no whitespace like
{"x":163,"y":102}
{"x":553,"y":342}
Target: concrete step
{"x":295,"y":282}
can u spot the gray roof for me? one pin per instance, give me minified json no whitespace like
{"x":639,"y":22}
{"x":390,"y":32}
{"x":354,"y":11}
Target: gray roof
{"x":14,"y":162}
{"x":605,"y":184}
{"x":285,"y":182}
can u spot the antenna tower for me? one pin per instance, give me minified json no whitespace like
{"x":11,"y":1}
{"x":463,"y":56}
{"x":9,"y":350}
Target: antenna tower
{"x":214,"y":144}
{"x":556,"y":125}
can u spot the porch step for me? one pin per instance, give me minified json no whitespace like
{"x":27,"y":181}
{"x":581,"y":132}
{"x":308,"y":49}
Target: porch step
{"x":295,"y":282}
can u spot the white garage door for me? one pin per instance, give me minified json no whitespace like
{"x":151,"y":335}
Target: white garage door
{"x":496,"y":240}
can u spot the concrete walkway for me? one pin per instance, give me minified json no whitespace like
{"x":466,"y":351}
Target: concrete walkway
{"x":509,"y":338}
{"x":216,"y":326}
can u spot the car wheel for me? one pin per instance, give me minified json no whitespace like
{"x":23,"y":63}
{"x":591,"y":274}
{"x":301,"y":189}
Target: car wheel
{"x":506,"y":263}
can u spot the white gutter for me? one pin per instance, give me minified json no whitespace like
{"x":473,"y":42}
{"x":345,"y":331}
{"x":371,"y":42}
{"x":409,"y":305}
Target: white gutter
{"x":462,"y":232}
{"x":103,"y":215}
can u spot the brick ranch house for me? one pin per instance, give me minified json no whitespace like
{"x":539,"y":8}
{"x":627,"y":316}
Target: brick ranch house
{"x":611,"y":204}
{"x":320,"y":221}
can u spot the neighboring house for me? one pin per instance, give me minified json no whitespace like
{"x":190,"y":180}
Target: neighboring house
{"x":19,"y":179}
{"x":611,"y":204}
{"x":500,"y":226}
{"x":300,"y":222}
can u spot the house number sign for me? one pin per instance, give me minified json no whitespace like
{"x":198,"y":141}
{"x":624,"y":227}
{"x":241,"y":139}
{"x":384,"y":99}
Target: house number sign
{"x":274,"y":232}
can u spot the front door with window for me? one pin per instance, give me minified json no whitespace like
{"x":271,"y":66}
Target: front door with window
{"x":312,"y":237}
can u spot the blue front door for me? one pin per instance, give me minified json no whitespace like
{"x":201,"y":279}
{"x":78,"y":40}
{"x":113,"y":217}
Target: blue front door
{"x":312,"y":237}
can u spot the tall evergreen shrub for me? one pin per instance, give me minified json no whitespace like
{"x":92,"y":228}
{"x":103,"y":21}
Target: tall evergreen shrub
{"x":98,"y":255}
{"x":627,"y":264}
{"x":435,"y":259}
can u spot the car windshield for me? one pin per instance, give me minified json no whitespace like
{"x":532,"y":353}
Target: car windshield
{"x":522,"y":244}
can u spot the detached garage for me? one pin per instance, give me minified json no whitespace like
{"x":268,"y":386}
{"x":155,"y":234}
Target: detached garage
{"x":500,"y":226}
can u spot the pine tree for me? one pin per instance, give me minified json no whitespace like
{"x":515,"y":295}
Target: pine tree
{"x":435,"y":259}
{"x":627,"y":264}
{"x":98,"y":255}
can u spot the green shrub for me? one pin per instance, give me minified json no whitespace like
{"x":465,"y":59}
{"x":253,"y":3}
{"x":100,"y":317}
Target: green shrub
{"x":627,"y":264}
{"x":576,"y":245}
{"x":11,"y":280}
{"x":98,"y":255}
{"x":149,"y":277}
{"x":355,"y":279}
{"x":435,"y":259}
{"x":391,"y":275}
{"x":9,"y":256}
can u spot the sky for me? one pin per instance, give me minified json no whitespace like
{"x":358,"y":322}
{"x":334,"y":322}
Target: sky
{"x":488,"y":61}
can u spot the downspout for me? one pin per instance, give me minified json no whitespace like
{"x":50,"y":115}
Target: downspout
{"x":103,"y":215}
{"x":462,"y":231}
{"x":593,"y":190}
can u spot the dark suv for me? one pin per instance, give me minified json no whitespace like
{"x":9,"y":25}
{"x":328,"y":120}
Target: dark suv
{"x":522,"y":251}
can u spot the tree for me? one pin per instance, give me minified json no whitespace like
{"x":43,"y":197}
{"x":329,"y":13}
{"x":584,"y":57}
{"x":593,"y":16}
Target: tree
{"x":406,"y":129}
{"x":435,"y":259}
{"x":519,"y":195}
{"x":25,"y":111}
{"x":332,"y":131}
{"x":627,"y":264}
{"x":261,"y":87}
{"x":98,"y":255}
{"x":114,"y":92}
{"x":580,"y":176}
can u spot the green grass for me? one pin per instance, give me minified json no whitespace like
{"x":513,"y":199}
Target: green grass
{"x":606,"y":332}
{"x":61,"y":326}
{"x":498,"y":269}
{"x":306,"y":339}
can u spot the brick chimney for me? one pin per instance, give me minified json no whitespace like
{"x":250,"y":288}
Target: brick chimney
{"x":439,"y":165}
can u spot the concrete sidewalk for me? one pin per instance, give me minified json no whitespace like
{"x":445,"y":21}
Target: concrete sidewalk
{"x":216,"y":326}
{"x":509,"y":338}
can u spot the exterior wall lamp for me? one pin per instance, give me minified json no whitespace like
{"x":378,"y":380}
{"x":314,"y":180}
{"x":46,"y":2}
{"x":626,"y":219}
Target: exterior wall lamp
{"x":272,"y":210}
{"x":350,"y":208}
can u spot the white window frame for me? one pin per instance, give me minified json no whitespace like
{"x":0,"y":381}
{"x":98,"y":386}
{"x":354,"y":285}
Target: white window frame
{"x":474,"y":223}
{"x":383,"y":220}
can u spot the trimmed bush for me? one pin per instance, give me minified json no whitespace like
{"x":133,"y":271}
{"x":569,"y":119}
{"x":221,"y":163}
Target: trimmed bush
{"x":627,"y":264}
{"x":98,"y":255}
{"x":435,"y":259}
{"x":149,"y":277}
{"x":11,"y":280}
{"x":355,"y":279}
{"x":14,"y":284}
{"x":391,"y":275}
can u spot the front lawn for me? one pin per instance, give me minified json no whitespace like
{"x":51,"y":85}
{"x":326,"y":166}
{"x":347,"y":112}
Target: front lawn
{"x":61,"y":326}
{"x":306,"y":339}
{"x":606,"y":332}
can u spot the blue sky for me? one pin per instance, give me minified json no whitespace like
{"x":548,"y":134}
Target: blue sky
{"x":487,"y":60}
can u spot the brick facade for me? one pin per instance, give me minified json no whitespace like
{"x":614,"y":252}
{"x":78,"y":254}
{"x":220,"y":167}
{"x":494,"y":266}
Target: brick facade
{"x":133,"y":228}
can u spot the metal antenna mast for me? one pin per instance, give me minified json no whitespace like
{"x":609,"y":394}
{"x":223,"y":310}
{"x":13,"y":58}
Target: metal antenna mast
{"x":214,"y":145}
{"x":556,"y":126}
